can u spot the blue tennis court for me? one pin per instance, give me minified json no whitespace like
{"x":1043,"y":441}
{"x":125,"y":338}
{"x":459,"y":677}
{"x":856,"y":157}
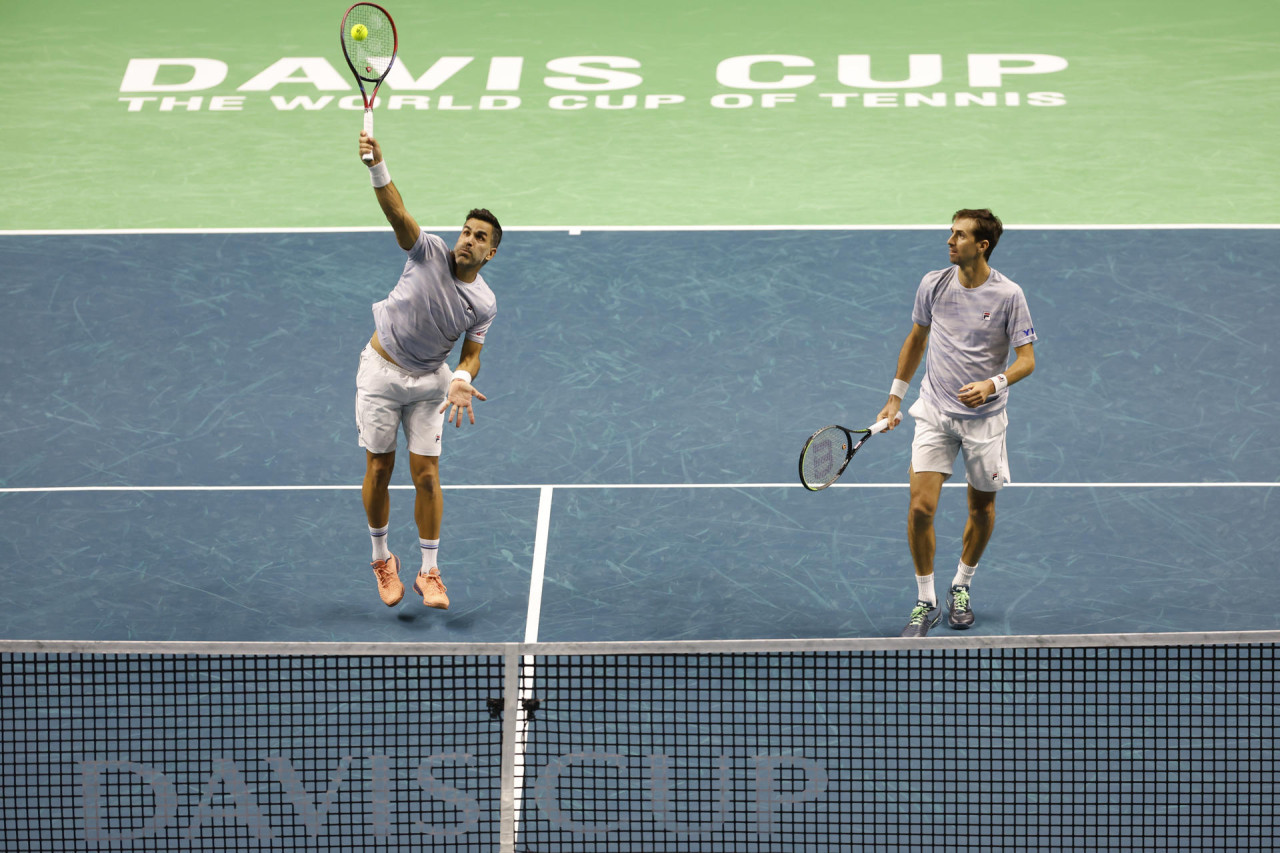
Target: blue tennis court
{"x":180,"y":459}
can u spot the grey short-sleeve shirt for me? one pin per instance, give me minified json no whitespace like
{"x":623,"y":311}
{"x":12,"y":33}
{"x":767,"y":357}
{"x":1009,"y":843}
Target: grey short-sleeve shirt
{"x":428,"y":309}
{"x":971,"y":331}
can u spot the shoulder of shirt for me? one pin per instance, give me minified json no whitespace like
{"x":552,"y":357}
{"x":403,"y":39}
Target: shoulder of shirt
{"x":936,"y":276}
{"x":1000,"y":278}
{"x":429,"y":246}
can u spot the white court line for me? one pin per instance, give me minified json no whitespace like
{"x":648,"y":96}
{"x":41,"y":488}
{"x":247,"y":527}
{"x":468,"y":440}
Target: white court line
{"x":545,"y":487}
{"x":527,"y":673}
{"x":575,"y":230}
{"x":539,"y":565}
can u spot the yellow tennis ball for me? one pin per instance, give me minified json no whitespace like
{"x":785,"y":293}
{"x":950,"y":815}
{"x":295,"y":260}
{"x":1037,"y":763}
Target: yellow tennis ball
{"x":359,"y":32}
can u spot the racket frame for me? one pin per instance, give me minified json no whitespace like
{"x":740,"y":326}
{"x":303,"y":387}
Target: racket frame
{"x":850,"y":445}
{"x":369,"y":98}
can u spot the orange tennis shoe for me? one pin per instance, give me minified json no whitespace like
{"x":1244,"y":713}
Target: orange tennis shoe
{"x":387,"y":571}
{"x":431,"y":588}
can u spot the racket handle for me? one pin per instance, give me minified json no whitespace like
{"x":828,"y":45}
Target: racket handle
{"x":881,"y":426}
{"x":368,"y":131}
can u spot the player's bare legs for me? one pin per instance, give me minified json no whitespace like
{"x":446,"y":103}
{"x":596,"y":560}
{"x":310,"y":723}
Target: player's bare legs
{"x":977,"y":533}
{"x":926,"y":488}
{"x":428,"y":507}
{"x":428,"y":510}
{"x":376,"y":494}
{"x":981,"y":523}
{"x":376,"y":488}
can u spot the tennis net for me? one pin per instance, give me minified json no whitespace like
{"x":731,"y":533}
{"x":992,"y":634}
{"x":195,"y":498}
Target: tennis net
{"x":1116,"y":742}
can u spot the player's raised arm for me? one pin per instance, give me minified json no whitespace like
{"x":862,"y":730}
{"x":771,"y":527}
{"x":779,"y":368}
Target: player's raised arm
{"x":405,"y":226}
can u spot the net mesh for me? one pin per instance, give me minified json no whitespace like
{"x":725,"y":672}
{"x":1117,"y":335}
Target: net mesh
{"x":169,"y":752}
{"x":370,"y":56}
{"x":935,"y":747}
{"x":958,"y":749}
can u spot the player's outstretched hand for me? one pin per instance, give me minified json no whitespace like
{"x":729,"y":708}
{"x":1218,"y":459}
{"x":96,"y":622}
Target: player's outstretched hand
{"x":369,"y":144}
{"x":461,"y":394}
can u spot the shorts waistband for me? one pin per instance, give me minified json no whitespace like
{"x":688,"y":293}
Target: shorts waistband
{"x":393,"y":366}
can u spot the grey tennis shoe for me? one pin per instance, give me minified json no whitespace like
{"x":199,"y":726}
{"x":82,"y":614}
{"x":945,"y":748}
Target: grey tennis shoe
{"x":923,"y":617}
{"x":959,"y":613}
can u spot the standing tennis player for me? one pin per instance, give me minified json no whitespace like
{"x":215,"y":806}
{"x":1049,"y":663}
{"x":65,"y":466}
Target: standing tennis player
{"x":966,"y":317}
{"x":403,"y":378}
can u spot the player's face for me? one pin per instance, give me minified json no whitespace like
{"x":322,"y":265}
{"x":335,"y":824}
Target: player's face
{"x":475,"y":244}
{"x":961,"y":246}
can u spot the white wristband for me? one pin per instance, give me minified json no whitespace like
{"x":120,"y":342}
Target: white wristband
{"x":461,"y":374}
{"x":1000,"y":381}
{"x":899,"y":389}
{"x":379,"y":175}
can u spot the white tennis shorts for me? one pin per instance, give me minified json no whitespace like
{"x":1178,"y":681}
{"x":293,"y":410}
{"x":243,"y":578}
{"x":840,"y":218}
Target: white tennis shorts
{"x":387,"y":396}
{"x":939,"y":437}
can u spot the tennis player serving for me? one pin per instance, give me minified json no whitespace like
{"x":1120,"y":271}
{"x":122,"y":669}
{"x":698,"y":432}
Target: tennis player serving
{"x":403,"y":379}
{"x":967,"y":317}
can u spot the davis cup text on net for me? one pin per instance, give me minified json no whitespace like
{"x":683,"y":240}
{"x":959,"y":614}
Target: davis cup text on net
{"x":777,"y":782}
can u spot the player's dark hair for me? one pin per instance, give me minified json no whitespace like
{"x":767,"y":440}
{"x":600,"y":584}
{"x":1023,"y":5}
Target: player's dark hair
{"x":484,"y":215}
{"x":987,"y":226}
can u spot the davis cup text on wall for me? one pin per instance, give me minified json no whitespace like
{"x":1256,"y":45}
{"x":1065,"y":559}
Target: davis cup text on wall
{"x":601,"y":82}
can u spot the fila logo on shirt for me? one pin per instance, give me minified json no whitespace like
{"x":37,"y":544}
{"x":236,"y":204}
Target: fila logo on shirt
{"x":986,"y":315}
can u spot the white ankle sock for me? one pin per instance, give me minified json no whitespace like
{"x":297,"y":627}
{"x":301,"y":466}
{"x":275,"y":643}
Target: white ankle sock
{"x":964,"y":575}
{"x":430,"y":553}
{"x":925,"y":582}
{"x":378,"y":535}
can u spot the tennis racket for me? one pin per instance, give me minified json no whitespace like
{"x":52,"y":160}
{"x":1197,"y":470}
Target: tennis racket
{"x":829,"y":450}
{"x":369,"y":42}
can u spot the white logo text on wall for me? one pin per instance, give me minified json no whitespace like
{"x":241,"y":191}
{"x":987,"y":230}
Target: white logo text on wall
{"x":756,"y":81}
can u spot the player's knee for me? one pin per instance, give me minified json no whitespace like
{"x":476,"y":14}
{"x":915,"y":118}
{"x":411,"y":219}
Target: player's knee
{"x":921,"y":511}
{"x":378,"y":467}
{"x":983,"y":512}
{"x":426,"y":478}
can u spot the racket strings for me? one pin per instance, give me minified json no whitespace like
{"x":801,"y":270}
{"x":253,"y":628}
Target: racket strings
{"x":824,"y":457}
{"x":371,"y":56}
